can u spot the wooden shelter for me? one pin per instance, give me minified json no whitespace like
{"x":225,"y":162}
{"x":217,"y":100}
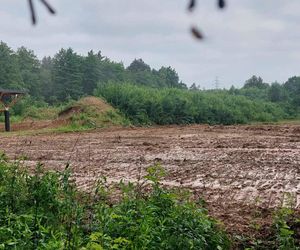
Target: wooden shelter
{"x":8,"y":98}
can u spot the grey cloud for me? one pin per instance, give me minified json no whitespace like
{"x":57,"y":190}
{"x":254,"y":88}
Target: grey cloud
{"x":249,"y":37}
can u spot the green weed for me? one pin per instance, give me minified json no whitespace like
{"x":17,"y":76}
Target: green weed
{"x":44,"y":210}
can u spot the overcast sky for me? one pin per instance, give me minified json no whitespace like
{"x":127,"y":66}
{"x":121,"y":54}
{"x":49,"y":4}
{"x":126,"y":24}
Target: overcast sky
{"x":260,"y":37}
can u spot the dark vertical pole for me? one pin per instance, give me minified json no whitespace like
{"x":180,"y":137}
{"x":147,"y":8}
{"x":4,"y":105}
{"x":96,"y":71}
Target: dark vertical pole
{"x":7,"y":123}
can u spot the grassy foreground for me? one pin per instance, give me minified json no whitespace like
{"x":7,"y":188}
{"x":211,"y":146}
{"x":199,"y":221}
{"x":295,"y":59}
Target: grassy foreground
{"x":44,"y":210}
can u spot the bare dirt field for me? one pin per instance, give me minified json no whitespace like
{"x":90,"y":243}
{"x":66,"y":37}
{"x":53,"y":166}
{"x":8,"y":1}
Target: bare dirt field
{"x":241,"y":171}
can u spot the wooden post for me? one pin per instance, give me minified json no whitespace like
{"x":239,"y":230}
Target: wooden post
{"x":7,"y":99}
{"x":7,"y":122}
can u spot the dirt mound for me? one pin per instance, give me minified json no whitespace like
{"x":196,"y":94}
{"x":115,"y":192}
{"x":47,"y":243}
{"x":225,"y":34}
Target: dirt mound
{"x":90,"y":103}
{"x":90,"y":112}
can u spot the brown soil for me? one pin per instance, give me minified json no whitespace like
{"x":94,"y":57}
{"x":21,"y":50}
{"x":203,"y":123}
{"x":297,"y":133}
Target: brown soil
{"x":243,"y":172}
{"x":36,"y":124}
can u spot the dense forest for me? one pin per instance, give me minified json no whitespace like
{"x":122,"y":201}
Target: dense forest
{"x":69,"y":75}
{"x":145,"y":95}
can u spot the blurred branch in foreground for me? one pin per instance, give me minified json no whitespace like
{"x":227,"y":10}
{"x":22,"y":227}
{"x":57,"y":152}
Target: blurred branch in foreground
{"x":191,"y":7}
{"x":32,"y":10}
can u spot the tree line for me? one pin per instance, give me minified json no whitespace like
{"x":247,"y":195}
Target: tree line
{"x":286,"y":95}
{"x":143,"y":94}
{"x":68,"y":75}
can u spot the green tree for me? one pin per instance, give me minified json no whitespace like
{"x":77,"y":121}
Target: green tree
{"x":276,"y":92}
{"x":255,"y":82}
{"x":46,"y":79}
{"x":138,"y":65}
{"x":193,"y":87}
{"x":140,"y":73}
{"x":169,"y":78}
{"x":292,"y":86}
{"x":110,"y":71}
{"x":10,"y":76}
{"x":29,"y":66}
{"x":67,"y":75}
{"x":91,"y":72}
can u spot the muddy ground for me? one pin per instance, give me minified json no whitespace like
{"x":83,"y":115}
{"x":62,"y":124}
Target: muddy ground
{"x":243,"y":172}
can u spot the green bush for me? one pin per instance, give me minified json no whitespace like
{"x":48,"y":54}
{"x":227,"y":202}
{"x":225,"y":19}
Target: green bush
{"x":38,"y":211}
{"x":159,"y":220}
{"x":44,"y":210}
{"x":144,"y":105}
{"x":283,"y":219}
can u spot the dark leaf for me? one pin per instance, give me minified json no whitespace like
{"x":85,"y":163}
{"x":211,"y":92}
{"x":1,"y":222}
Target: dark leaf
{"x":221,"y":4}
{"x":197,"y":33}
{"x":192,"y":5}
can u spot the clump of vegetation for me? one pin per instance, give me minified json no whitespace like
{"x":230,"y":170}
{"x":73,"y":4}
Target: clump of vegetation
{"x":91,"y":112}
{"x":44,"y":210}
{"x":144,"y":105}
{"x":29,"y":108}
{"x":285,"y":223}
{"x":283,"y":232}
{"x":156,"y":221}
